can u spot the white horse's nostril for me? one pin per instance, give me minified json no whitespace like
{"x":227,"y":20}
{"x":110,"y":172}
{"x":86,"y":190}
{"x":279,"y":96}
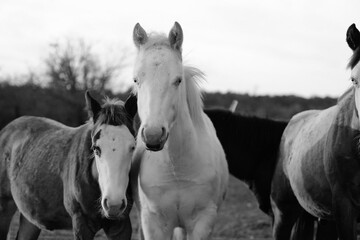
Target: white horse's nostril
{"x":105,"y":204}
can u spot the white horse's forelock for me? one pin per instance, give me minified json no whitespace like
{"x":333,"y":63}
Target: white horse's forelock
{"x":155,"y":38}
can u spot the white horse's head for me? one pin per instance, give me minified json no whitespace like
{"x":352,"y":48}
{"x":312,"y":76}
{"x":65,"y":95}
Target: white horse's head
{"x":353,"y":40}
{"x":158,"y":75}
{"x":113,"y":143}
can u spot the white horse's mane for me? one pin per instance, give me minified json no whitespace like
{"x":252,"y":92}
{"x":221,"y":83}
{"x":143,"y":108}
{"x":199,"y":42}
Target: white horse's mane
{"x":155,"y":38}
{"x":194,"y":96}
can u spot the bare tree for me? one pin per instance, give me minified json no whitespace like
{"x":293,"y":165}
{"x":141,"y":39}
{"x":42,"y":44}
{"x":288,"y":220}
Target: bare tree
{"x":73,"y":66}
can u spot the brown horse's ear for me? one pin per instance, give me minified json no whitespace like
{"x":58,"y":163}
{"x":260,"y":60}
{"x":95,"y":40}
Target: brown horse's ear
{"x":353,"y":37}
{"x":92,"y":106}
{"x":176,"y":37}
{"x":131,"y":105}
{"x":139,"y":36}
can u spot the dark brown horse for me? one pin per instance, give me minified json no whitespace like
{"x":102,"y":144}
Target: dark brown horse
{"x":60,"y":177}
{"x":251,"y":146}
{"x":319,"y":165}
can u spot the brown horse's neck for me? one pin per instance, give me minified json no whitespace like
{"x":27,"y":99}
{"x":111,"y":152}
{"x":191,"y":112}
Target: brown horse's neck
{"x":91,"y":173}
{"x":86,"y":166}
{"x":348,"y":114}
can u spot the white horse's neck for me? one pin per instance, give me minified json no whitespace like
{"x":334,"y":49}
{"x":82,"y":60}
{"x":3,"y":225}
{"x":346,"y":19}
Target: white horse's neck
{"x":185,"y":130}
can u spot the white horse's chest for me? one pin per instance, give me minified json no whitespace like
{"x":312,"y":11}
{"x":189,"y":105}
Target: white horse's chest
{"x":177,"y":190}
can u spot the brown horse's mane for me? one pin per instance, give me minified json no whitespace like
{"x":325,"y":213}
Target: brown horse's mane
{"x":113,"y":113}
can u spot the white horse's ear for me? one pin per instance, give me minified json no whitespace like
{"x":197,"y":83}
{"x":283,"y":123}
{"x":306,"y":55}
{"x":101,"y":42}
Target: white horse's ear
{"x":139,"y":36}
{"x":93,"y":107}
{"x":353,"y":37}
{"x":176,"y":36}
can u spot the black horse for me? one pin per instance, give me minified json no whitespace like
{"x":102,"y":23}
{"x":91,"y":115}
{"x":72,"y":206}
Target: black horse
{"x":251,"y":146}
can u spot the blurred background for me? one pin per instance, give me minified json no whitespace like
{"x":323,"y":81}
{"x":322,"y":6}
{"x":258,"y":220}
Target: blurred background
{"x":276,"y":58}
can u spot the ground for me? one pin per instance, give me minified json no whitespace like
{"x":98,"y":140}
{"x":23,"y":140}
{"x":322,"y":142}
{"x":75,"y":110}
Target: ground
{"x":239,"y":218}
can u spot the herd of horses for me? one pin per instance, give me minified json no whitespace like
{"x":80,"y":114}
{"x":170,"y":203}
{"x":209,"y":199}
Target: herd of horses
{"x":162,"y":151}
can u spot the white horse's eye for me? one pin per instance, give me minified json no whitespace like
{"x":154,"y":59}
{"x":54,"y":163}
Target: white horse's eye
{"x":132,"y":148}
{"x":136,"y":80}
{"x":178,"y":81}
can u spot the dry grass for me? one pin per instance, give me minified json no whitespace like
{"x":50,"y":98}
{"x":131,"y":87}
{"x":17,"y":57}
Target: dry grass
{"x":239,"y":218}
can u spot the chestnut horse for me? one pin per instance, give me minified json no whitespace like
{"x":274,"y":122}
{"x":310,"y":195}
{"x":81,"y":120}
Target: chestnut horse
{"x":58,"y":176}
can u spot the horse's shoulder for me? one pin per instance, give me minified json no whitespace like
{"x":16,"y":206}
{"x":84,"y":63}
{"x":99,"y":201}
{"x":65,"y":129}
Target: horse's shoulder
{"x":303,"y":116}
{"x":210,"y":128}
{"x":312,"y":118}
{"x":219,"y":153}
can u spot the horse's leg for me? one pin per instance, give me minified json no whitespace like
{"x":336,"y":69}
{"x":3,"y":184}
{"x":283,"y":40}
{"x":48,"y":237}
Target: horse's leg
{"x":326,"y":230}
{"x":141,"y":232}
{"x":7,"y":210}
{"x":304,"y":227}
{"x":179,"y":234}
{"x":286,"y":208}
{"x":284,"y":219}
{"x":205,"y":221}
{"x":27,"y":230}
{"x":345,"y":215}
{"x":154,"y":227}
{"x":118,"y":229}
{"x":81,"y":229}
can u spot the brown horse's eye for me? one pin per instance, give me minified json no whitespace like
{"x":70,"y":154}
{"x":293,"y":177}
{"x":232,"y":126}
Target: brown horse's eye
{"x":354,"y":81}
{"x":96,"y":150}
{"x":177,"y":81}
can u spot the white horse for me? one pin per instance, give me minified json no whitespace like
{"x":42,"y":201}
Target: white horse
{"x":182,"y":171}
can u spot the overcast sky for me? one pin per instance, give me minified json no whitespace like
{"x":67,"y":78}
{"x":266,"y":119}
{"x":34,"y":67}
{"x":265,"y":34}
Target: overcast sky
{"x":257,"y":47}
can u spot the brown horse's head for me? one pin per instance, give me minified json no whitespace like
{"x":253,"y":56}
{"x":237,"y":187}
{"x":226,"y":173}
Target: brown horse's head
{"x":113,"y":143}
{"x":353,"y":40}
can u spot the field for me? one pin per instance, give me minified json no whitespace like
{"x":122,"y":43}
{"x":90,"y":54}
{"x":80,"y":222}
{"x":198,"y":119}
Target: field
{"x":239,"y":218}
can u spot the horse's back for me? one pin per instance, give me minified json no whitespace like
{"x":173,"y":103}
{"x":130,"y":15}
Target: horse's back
{"x":33,"y":151}
{"x":13,"y":138}
{"x":25,"y":127}
{"x":308,"y":127}
{"x":31,"y":140}
{"x":302,"y":159}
